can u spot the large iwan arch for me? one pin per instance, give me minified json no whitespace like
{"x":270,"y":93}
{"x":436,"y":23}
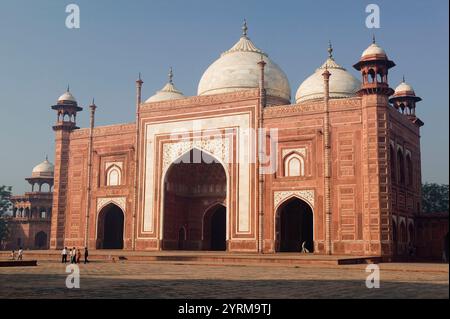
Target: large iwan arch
{"x":191,"y":185}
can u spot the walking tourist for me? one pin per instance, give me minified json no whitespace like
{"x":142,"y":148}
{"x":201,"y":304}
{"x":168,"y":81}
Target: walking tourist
{"x":78,"y":256}
{"x":73,"y":254}
{"x":64,"y":255}
{"x":13,"y":255}
{"x":20,"y":255}
{"x":86,"y":255}
{"x":304,"y":249}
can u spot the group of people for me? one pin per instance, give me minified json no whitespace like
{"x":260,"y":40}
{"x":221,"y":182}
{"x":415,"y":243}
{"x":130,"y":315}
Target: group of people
{"x":74,"y":254}
{"x":18,"y":256}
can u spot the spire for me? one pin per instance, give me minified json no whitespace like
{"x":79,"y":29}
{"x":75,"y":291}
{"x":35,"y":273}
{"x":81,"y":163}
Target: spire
{"x":403,"y":79}
{"x":374,"y":41}
{"x":330,"y":50}
{"x":139,"y":81}
{"x":171,"y":75}
{"x":68,"y":87}
{"x":244,"y":28}
{"x":46,"y":158}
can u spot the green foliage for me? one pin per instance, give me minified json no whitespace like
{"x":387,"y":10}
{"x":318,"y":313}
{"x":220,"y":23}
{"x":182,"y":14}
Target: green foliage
{"x":4,"y":231}
{"x":434,"y":198}
{"x":5,"y":203}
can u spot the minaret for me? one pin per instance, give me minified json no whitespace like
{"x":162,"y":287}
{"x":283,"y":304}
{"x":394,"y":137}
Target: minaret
{"x":139,"y":83}
{"x":374,"y":66}
{"x":327,"y":160}
{"x":92,"y":108}
{"x":260,"y":144}
{"x":66,"y":110}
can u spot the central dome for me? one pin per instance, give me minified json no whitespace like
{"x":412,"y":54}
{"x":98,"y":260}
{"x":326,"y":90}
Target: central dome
{"x":237,"y":69}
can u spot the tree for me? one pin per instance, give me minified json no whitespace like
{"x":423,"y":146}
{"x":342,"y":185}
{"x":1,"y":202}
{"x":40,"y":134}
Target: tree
{"x":434,"y":198}
{"x":5,"y":203}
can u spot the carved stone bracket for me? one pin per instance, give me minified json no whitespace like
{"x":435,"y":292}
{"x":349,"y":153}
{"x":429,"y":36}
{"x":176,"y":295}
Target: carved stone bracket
{"x":119,"y":201}
{"x":218,"y":147}
{"x":306,"y":195}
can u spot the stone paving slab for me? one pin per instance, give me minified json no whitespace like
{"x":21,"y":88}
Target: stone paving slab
{"x":158,"y":280}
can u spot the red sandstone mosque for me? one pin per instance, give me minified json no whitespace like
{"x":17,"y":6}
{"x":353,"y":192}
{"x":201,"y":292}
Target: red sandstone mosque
{"x":336,"y":172}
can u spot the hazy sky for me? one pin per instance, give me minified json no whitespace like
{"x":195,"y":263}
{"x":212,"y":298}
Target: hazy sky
{"x":39,"y":56}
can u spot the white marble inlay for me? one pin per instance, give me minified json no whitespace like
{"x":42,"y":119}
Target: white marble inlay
{"x":281,"y":196}
{"x":220,"y":148}
{"x":119,"y":201}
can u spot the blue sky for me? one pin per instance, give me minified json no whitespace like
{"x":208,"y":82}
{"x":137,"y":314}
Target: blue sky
{"x":39,"y":56}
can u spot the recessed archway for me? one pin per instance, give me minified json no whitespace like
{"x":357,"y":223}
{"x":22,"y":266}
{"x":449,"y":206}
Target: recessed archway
{"x":41,"y":240}
{"x":110,"y":227}
{"x":214,"y":228}
{"x":192,"y":183}
{"x":294,"y":226}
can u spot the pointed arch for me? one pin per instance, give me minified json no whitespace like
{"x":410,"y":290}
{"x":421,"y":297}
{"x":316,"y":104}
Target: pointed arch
{"x":114,"y":176}
{"x":294,"y":165}
{"x":110,"y":227}
{"x":294,"y":225}
{"x":165,"y":186}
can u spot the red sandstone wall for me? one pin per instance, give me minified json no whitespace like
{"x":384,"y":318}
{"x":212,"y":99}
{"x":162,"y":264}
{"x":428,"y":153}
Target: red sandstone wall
{"x":111,"y":144}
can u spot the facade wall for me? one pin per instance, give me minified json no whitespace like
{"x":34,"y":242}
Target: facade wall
{"x":365,"y":200}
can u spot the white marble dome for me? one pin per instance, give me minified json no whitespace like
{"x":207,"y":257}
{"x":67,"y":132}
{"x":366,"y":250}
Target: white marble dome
{"x":44,"y":169}
{"x":374,"y":49}
{"x":342,"y":83}
{"x":168,"y":92}
{"x":67,"y":96}
{"x":404,"y":88}
{"x":237,"y":69}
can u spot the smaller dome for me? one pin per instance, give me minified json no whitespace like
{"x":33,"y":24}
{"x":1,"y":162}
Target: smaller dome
{"x":404,"y":91}
{"x":404,"y":88}
{"x":342,"y":83}
{"x":67,"y":97}
{"x":374,"y":49}
{"x":44,"y":169}
{"x":168,"y":92}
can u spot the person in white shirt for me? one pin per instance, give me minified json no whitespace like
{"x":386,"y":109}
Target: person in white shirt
{"x":20,"y":254}
{"x":73,"y":254}
{"x":64,"y":255}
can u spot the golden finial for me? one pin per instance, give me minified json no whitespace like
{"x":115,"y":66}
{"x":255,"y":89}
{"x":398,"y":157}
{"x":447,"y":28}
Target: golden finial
{"x":330,"y":50}
{"x":244,"y":28}
{"x":171,"y":75}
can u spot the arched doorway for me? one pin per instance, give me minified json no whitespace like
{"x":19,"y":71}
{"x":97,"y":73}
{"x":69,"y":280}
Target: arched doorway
{"x":215,"y":229}
{"x":40,"y":240}
{"x":446,"y":249}
{"x":110,"y":228}
{"x":181,"y":238}
{"x":294,"y":226}
{"x":193,"y":183}
{"x":394,"y":237}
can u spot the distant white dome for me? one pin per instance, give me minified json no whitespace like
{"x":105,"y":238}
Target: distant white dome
{"x":237,"y":69}
{"x":67,"y":96}
{"x":168,"y":92}
{"x":374,"y":49}
{"x":44,"y":169}
{"x":404,"y":88}
{"x":342,"y":83}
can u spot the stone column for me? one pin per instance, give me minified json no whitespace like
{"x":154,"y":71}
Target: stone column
{"x":327,"y":164}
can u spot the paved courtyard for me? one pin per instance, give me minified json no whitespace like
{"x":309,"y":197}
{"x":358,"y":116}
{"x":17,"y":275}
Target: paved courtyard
{"x":172,"y":280}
